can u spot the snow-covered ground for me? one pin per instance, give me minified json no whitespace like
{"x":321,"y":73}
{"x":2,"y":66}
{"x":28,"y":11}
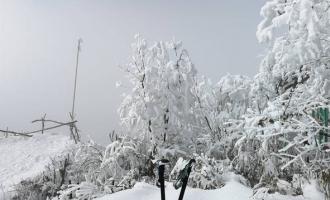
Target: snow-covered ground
{"x":144,"y":191}
{"x":22,"y":157}
{"x":233,"y":190}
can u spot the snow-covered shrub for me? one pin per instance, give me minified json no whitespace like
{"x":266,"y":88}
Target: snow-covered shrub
{"x":56,"y":175}
{"x":247,"y":162}
{"x":81,"y":191}
{"x":278,"y":186}
{"x":121,"y":157}
{"x":108,"y":170}
{"x":324,"y":182}
{"x":232,"y":95}
{"x":91,"y":170}
{"x":84,"y":172}
{"x":29,"y":190}
{"x":87,"y":160}
{"x":206,"y":172}
{"x":220,"y":108}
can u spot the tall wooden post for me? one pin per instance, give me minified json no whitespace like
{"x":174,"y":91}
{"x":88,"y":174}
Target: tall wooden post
{"x":75,"y":78}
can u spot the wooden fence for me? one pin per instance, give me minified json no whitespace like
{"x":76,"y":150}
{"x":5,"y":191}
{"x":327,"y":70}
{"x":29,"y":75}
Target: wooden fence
{"x":74,"y":132}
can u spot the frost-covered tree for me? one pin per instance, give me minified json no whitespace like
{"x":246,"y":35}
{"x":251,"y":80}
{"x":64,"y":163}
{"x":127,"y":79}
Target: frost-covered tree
{"x":232,"y":95}
{"x":220,"y":108}
{"x":294,"y":77}
{"x":300,"y":45}
{"x":161,"y":105}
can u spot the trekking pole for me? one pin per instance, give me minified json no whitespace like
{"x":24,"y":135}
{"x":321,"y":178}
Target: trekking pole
{"x":183,"y":178}
{"x":161,"y":181}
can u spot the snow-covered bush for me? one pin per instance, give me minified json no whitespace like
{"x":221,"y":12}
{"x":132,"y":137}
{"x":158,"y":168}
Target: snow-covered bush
{"x":124,"y":156}
{"x":110,"y":169}
{"x":206,"y":172}
{"x":81,"y":191}
{"x":247,"y":162}
{"x":88,"y":159}
{"x":59,"y":173}
{"x":91,"y":170}
{"x":232,"y":96}
{"x":324,"y":181}
{"x":220,"y":109}
{"x":29,"y":190}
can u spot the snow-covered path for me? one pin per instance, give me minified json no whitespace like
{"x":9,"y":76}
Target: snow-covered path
{"x":22,"y":157}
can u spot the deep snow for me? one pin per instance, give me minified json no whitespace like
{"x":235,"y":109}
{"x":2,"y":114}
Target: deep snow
{"x":143,"y":191}
{"x":233,"y":190}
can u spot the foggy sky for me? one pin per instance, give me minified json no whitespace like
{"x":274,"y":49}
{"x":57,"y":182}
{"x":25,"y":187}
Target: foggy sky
{"x":38,"y":41}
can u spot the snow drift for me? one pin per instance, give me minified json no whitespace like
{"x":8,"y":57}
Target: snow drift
{"x":23,"y":158}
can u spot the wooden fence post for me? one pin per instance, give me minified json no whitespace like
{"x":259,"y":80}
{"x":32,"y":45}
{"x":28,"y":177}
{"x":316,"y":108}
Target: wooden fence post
{"x":73,"y":129}
{"x":43,"y":124}
{"x":6,"y":133}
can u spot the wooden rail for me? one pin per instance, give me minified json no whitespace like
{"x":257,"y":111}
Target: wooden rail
{"x":15,"y":133}
{"x":71,"y":124}
{"x":52,"y":127}
{"x":28,"y":134}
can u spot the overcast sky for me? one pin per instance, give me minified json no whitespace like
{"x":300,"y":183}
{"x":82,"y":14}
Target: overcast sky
{"x":38,"y":41}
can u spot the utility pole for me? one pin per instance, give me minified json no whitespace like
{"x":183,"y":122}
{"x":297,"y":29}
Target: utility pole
{"x":75,"y":79}
{"x":73,"y":127}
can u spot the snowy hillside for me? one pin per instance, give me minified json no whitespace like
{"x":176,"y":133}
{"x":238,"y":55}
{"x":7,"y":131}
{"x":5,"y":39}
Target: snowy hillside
{"x":23,"y":158}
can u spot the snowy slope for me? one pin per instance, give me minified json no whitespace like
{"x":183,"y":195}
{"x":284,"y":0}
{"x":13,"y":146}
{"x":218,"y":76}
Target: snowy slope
{"x":22,"y":157}
{"x":231,"y":191}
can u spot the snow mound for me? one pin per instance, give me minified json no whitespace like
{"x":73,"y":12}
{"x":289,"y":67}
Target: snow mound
{"x":233,"y":190}
{"x":22,"y":157}
{"x":144,"y":191}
